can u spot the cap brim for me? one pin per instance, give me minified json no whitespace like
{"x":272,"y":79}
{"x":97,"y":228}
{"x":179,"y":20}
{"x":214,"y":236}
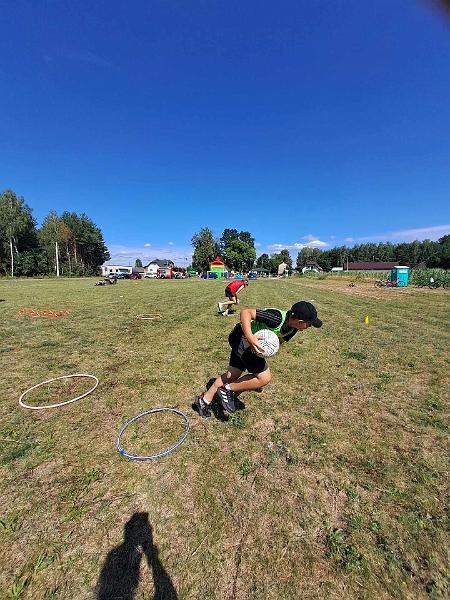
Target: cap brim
{"x":316,"y":323}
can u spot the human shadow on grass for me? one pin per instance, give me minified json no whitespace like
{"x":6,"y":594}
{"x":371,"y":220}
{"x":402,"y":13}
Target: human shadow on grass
{"x":216,"y":406}
{"x":119,"y":577}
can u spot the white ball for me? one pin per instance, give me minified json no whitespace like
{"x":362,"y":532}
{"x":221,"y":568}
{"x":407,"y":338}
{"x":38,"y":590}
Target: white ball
{"x":269,"y":341}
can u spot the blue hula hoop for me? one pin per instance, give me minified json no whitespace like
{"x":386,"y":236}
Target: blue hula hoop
{"x":125,"y":454}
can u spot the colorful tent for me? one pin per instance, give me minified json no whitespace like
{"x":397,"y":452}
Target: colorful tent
{"x":217,"y":266}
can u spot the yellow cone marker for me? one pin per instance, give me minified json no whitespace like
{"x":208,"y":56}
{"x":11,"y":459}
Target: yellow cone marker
{"x":366,"y":319}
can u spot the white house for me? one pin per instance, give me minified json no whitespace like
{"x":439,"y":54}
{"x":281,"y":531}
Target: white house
{"x":152,"y":268}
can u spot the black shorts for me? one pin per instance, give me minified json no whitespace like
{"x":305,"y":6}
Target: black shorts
{"x":242,"y":357}
{"x":229,"y":294}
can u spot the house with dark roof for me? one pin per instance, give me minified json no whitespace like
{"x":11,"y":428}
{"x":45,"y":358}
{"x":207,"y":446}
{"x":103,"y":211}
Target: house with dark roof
{"x":153,"y":266}
{"x":370,"y":266}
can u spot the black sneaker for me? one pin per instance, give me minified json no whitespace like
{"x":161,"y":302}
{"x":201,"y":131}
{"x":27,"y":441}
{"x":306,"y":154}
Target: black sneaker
{"x":227,"y":399}
{"x":202,"y":407}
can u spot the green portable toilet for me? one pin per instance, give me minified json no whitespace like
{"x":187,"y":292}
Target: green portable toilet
{"x":401,"y":275}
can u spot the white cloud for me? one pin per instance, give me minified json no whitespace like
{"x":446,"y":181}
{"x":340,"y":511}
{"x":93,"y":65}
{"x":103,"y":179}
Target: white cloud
{"x":171,"y":243}
{"x":147,"y":245}
{"x":312,"y":242}
{"x":127,"y":255}
{"x":406,"y":235}
{"x":317,"y":244}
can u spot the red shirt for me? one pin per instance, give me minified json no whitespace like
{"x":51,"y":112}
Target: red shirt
{"x":235,"y":286}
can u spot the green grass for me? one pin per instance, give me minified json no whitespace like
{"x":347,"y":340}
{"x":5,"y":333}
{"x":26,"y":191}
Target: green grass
{"x":331,"y":483}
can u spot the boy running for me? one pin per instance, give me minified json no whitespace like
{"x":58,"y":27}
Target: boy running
{"x":246,"y":354}
{"x":231,"y":292}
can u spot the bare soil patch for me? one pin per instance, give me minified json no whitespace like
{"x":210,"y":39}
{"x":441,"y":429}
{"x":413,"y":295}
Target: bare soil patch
{"x":47,"y":313}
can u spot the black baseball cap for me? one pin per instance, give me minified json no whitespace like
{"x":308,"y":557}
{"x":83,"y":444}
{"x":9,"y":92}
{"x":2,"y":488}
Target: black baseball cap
{"x":306,"y":312}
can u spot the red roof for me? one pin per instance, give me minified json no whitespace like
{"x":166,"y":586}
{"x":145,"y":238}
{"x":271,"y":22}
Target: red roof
{"x":217,"y":262}
{"x":370,"y":266}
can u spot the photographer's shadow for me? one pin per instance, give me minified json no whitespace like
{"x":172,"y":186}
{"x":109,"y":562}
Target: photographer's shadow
{"x":119,"y":577}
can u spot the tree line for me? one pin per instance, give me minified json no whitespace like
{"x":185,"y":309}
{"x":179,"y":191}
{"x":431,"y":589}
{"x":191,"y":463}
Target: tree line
{"x":67,"y":245}
{"x":237,"y":250}
{"x":424,"y":254}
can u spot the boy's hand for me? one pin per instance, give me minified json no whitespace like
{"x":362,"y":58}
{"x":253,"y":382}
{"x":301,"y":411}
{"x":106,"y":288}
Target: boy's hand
{"x":254,"y":345}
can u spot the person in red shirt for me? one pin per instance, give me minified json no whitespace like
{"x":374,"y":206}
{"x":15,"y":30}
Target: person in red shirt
{"x":231,"y":292}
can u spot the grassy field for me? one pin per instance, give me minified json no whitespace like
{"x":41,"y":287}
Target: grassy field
{"x":332,"y":483}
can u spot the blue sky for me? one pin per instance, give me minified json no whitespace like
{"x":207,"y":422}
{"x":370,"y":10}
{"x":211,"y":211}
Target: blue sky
{"x":305,"y":122}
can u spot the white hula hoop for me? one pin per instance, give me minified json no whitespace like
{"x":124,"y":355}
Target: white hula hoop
{"x":180,"y":440}
{"x":59,"y":403}
{"x":149,"y":317}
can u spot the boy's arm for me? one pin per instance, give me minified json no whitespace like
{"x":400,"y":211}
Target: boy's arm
{"x":247,"y":314}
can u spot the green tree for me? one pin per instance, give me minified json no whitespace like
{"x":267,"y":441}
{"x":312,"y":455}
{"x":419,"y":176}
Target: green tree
{"x":206,"y":248}
{"x":444,"y":252}
{"x":386,"y":252}
{"x":228,"y":236}
{"x":235,"y":255}
{"x":402,"y":253}
{"x":85,"y":243}
{"x":263,"y":261}
{"x":307,"y":255}
{"x":138,"y":263}
{"x":245,"y":236}
{"x":431,"y":253}
{"x":27,"y":263}
{"x":334,"y":257}
{"x":278,"y":258}
{"x":240,"y":256}
{"x":52,"y":235}
{"x":17,"y":229}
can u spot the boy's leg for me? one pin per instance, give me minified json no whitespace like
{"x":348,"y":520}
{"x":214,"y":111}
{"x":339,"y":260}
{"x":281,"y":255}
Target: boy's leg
{"x":258,"y":373}
{"x":222,"y":307}
{"x":221,"y":387}
{"x":251,"y":382}
{"x":232,"y":374}
{"x":229,"y":304}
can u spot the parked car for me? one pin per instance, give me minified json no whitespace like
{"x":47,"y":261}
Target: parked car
{"x":150,"y":276}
